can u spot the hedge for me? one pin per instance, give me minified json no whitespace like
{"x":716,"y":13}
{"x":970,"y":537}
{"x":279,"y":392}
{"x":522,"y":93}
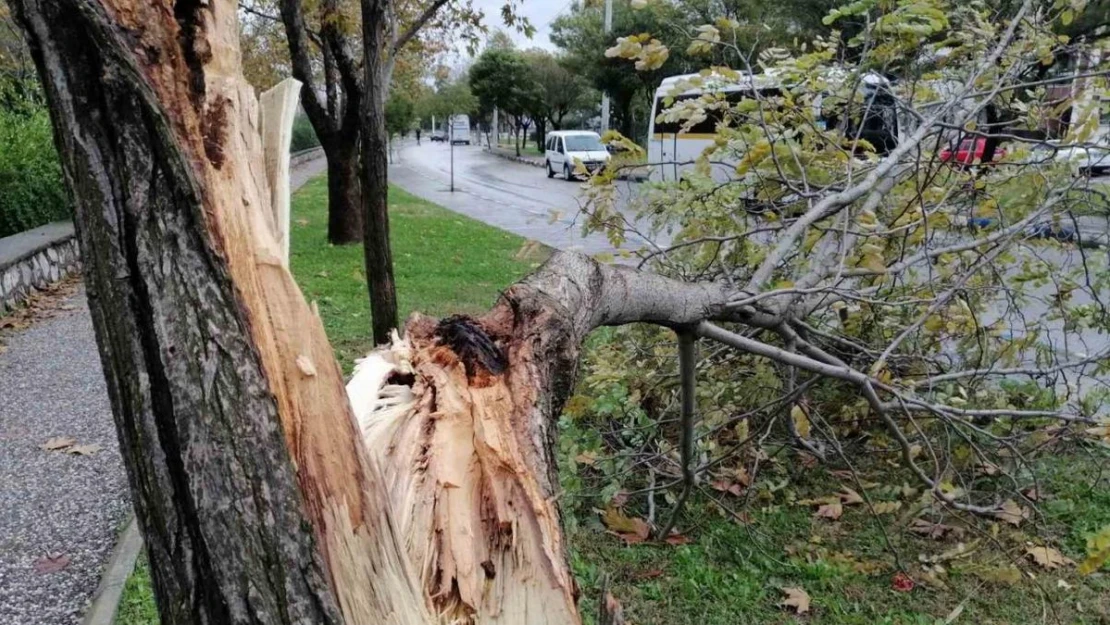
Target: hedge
{"x":32,"y":192}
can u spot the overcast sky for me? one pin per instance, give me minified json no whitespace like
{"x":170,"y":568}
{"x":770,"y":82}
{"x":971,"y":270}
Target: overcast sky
{"x":540,"y":12}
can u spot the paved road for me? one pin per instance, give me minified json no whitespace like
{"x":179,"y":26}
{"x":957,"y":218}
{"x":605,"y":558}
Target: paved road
{"x":513,"y":196}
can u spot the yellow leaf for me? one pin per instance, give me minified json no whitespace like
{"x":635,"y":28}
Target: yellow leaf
{"x":631,"y":529}
{"x":801,"y":421}
{"x":1098,"y":552}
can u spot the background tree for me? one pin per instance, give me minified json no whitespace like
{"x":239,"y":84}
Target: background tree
{"x":558,"y":93}
{"x":580,"y":36}
{"x":501,"y":78}
{"x":384,"y":36}
{"x":400,"y":114}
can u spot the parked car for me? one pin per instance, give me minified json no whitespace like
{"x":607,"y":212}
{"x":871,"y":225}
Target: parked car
{"x":439,"y":135}
{"x":564,"y":148}
{"x":1082,"y":160}
{"x":969,"y":152}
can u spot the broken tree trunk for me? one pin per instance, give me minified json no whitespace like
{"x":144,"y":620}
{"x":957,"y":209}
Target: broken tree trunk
{"x":462,"y":415}
{"x":255,"y":498}
{"x":261,"y":497}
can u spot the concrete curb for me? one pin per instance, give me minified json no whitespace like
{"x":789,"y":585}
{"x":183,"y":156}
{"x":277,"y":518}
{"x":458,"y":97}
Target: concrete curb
{"x":635,"y":176}
{"x":514,"y":157}
{"x":105,"y":602}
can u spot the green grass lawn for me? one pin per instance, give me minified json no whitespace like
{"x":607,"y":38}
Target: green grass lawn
{"x":529,"y":148}
{"x":731,"y":573}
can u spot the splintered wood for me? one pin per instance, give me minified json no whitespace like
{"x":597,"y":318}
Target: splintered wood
{"x":467,"y":491}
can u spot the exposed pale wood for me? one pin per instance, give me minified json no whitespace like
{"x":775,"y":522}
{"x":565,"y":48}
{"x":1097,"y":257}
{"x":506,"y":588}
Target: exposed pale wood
{"x":477,"y":512}
{"x":279,"y":108}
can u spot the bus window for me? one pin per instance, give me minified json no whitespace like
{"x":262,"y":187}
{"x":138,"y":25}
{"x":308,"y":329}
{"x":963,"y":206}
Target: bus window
{"x":713,"y":117}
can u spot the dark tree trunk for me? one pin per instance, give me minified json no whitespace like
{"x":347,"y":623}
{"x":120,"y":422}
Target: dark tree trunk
{"x":541,"y":132}
{"x":345,"y":222}
{"x":375,"y":163}
{"x":336,"y":120}
{"x":256,"y":502}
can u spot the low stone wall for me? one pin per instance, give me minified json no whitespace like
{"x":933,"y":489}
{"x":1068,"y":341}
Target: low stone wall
{"x":296,"y":158}
{"x":33,"y":259}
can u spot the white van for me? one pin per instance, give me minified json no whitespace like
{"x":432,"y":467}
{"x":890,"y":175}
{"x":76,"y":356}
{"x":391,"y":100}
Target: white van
{"x":460,"y":129}
{"x":564,"y":148}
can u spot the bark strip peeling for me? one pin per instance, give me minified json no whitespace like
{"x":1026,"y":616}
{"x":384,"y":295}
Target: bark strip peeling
{"x":240,"y":446}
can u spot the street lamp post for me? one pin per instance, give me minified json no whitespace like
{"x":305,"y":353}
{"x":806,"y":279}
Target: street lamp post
{"x":605,"y":94}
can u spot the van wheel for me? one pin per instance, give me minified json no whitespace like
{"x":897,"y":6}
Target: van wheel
{"x":550,"y":172}
{"x":566,"y":173}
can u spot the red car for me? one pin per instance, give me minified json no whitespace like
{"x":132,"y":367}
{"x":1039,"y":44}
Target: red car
{"x":970,"y":152}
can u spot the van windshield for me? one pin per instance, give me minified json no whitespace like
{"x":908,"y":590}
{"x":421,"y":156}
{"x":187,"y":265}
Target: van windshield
{"x":583,"y":143}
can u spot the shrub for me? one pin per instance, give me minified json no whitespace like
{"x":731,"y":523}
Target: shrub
{"x":32,"y":192}
{"x":304,"y":135}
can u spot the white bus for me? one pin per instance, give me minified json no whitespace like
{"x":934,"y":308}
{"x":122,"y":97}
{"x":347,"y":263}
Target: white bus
{"x":673,"y":149}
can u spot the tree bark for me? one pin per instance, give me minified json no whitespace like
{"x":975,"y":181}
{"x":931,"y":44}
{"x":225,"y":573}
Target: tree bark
{"x":375,"y":164}
{"x":345,"y":222}
{"x":256,"y":501}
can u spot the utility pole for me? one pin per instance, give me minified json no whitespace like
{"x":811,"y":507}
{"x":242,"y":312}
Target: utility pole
{"x":605,"y":94}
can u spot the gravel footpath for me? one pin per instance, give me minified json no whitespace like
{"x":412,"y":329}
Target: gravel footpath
{"x":55,"y":504}
{"x":60,"y":510}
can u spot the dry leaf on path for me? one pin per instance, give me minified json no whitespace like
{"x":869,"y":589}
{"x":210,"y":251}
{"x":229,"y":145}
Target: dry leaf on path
{"x":830,"y":511}
{"x":84,"y":450}
{"x":796,"y":598}
{"x":58,"y":442}
{"x":1047,"y":557}
{"x":51,"y":563}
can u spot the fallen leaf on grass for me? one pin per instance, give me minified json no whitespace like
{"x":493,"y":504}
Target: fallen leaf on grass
{"x":58,"y":442}
{"x":1012,"y":513}
{"x":936,"y":531}
{"x":796,"y":598}
{"x":631,"y":530}
{"x":886,"y":507}
{"x":849,"y":497}
{"x":902,"y":582}
{"x":725,"y":486}
{"x":677,"y":539}
{"x":84,"y":450}
{"x":586,"y":457}
{"x":648,"y":574}
{"x":1047,"y":557}
{"x":51,"y":563}
{"x":830,"y":511}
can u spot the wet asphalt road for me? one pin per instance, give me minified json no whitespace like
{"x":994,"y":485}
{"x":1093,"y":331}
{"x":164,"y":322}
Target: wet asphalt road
{"x":516,"y":197}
